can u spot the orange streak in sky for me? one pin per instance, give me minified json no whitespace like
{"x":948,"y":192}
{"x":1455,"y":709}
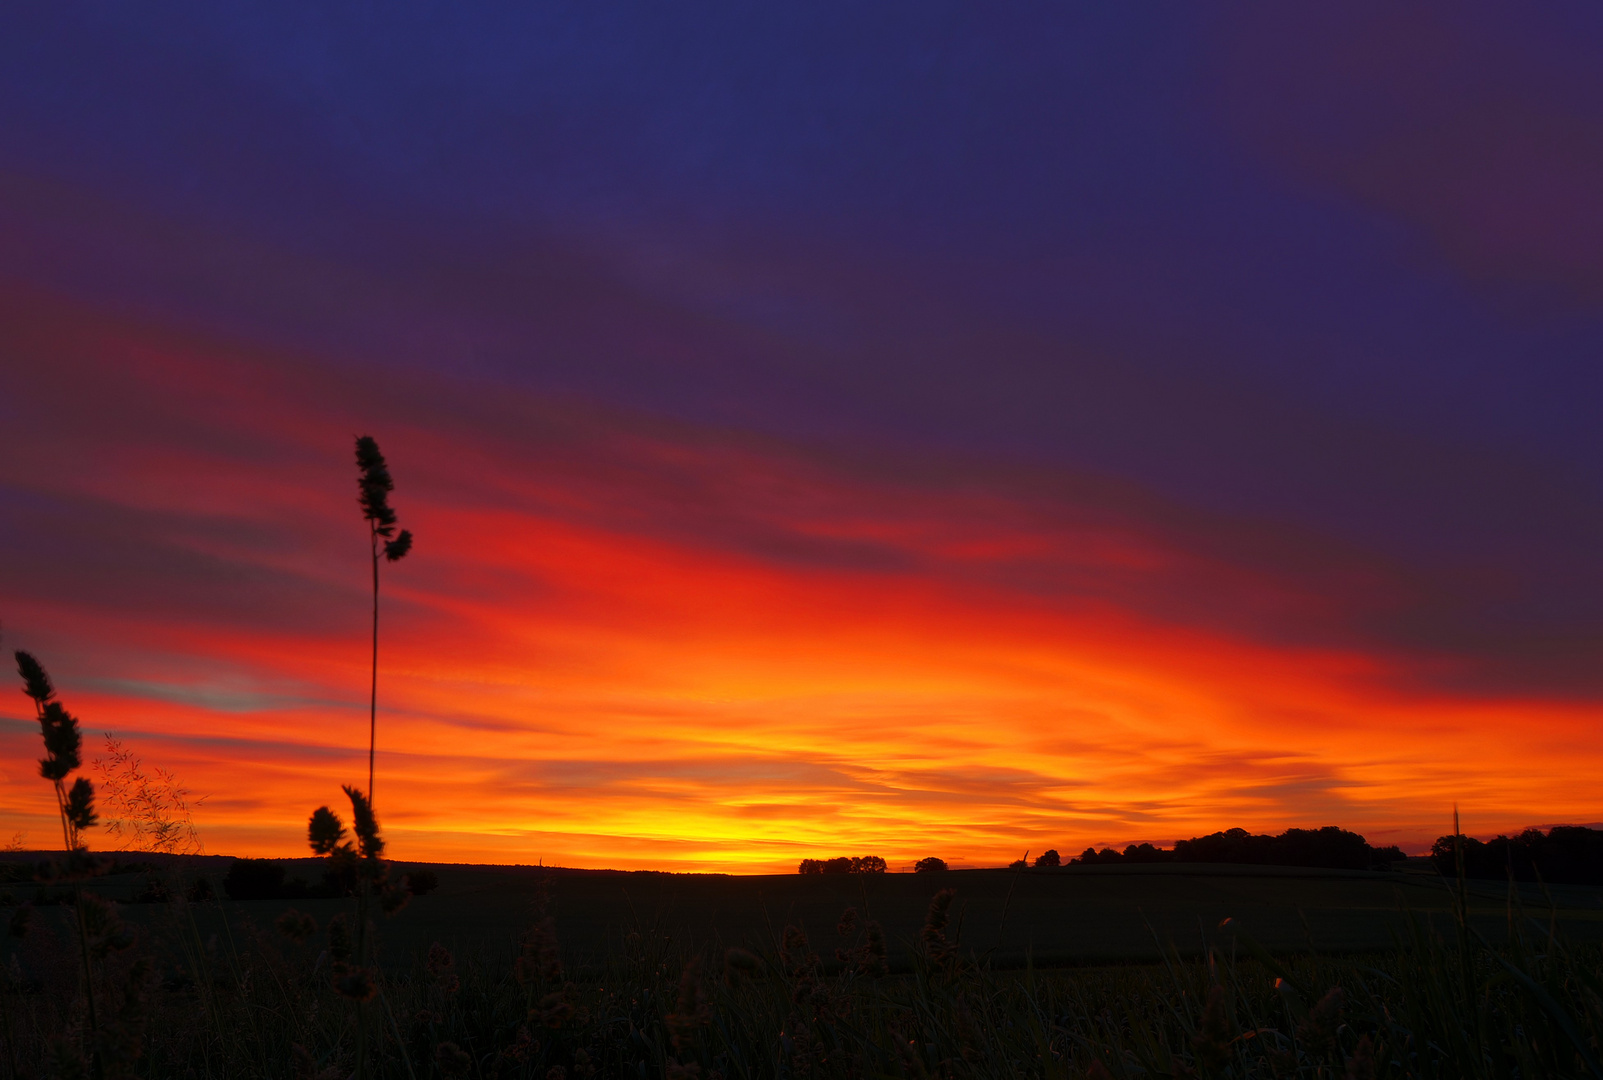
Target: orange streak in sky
{"x":621,"y":643}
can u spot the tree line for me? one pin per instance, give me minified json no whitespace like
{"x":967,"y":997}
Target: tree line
{"x":842,"y":864}
{"x":1329,"y":848}
{"x":1564,"y":855}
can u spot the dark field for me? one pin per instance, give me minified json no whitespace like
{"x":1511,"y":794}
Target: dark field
{"x":1054,"y":974}
{"x":1074,"y":915}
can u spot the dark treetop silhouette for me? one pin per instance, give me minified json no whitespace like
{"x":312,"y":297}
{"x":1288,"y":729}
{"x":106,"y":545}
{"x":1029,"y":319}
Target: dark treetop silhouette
{"x":1330,"y":846}
{"x":375,"y":486}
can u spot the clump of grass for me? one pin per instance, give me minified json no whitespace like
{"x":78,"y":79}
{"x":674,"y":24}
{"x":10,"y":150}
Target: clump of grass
{"x":353,"y":969}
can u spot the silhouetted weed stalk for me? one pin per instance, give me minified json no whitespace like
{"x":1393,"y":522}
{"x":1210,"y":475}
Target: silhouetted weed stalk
{"x":106,"y":1040}
{"x":360,"y":867}
{"x":375,"y":485}
{"x":355,"y":976}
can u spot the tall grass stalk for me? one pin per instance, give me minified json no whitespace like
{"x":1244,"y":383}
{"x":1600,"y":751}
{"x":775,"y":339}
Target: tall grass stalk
{"x":374,"y":486}
{"x":63,"y":744}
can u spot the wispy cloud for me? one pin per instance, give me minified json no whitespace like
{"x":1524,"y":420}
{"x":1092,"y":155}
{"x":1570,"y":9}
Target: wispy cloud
{"x":632,"y":642}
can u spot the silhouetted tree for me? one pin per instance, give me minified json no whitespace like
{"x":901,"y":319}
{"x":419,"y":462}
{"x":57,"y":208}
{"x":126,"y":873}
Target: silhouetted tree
{"x":375,"y":486}
{"x":1146,"y":853}
{"x":1048,"y":859}
{"x":929,"y":865}
{"x":1564,"y":855}
{"x":1385,"y":856}
{"x":1331,"y":847}
{"x":1092,"y":856}
{"x":841,"y":864}
{"x":1327,"y":847}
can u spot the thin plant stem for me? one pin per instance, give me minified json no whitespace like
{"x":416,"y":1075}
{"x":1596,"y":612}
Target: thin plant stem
{"x":406,"y":1058}
{"x":69,"y":841}
{"x":362,"y":961}
{"x":88,"y":984}
{"x":372,"y":701}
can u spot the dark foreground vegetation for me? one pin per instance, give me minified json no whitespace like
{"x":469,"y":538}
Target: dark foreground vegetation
{"x":185,"y":988}
{"x":186,"y":992}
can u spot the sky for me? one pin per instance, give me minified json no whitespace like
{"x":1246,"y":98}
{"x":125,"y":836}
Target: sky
{"x":917,"y":430}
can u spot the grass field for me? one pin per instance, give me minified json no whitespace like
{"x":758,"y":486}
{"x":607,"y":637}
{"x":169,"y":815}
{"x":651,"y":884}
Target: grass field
{"x":1093,"y":914}
{"x":1088,"y":971}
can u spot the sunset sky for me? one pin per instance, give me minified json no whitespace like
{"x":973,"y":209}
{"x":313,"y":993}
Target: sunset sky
{"x":909,"y":429}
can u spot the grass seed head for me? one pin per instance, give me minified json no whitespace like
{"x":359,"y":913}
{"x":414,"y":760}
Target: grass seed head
{"x":355,"y":983}
{"x":692,"y":1011}
{"x":81,"y":809}
{"x":934,"y":932}
{"x":442,"y":965}
{"x":1318,"y":1032}
{"x":395,"y":550}
{"x":1213,"y":1038}
{"x":339,"y":938}
{"x":1361,"y":1063}
{"x":540,"y":957}
{"x":325,"y":831}
{"x":452,"y":1059}
{"x":35,"y":683}
{"x":67,"y":1061}
{"x":393,"y":898}
{"x":103,"y":928}
{"x":554,"y":1009}
{"x":847,"y":926}
{"x":374,"y":485}
{"x":365,"y":824}
{"x":796,"y":952}
{"x":296,"y":925}
{"x":738,"y":962}
{"x":307,"y":1068}
{"x":63,"y":742}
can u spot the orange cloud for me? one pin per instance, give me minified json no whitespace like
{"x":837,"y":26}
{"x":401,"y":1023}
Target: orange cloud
{"x":622,"y":642}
